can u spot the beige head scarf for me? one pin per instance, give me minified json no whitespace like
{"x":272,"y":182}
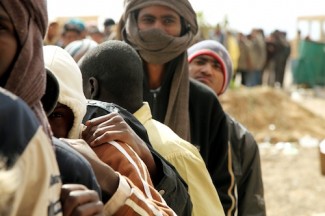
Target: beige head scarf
{"x":27,"y":77}
{"x":155,"y":46}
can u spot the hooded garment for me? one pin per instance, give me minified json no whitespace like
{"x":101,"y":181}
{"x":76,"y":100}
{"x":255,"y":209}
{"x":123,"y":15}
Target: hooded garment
{"x":216,"y":50}
{"x":68,"y":75}
{"x":27,"y":77}
{"x":155,"y":46}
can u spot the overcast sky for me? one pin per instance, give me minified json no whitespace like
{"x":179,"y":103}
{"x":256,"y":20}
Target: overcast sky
{"x":242,"y":15}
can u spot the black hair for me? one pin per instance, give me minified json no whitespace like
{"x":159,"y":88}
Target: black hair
{"x":118,"y":70}
{"x":109,"y":22}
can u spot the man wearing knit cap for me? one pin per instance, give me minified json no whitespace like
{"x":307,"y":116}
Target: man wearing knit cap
{"x":161,"y":31}
{"x":210,"y":63}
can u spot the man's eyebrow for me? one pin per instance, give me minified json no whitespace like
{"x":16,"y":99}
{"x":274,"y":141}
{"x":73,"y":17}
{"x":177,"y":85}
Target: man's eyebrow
{"x":147,"y":15}
{"x":169,"y":16}
{"x":202,"y":58}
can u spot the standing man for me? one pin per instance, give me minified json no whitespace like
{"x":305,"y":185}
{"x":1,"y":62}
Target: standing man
{"x":161,"y":31}
{"x":210,"y":63}
{"x":104,"y":71}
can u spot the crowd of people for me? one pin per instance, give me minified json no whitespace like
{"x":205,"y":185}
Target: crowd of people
{"x":259,"y":59}
{"x":124,"y":121}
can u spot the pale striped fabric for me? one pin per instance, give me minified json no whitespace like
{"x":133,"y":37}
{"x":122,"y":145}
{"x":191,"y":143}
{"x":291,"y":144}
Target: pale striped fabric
{"x":136,"y":193}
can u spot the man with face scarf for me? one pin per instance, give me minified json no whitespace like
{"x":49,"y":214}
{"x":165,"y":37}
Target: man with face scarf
{"x":161,"y":31}
{"x":24,"y":129}
{"x":23,"y":141}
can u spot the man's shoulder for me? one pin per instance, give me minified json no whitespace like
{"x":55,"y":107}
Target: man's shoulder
{"x":167,"y":141}
{"x":18,"y":124}
{"x":197,"y":88}
{"x":12,"y":108}
{"x":202,"y":99}
{"x":202,"y":93}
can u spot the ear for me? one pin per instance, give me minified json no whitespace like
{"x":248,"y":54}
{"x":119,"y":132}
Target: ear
{"x":93,"y":88}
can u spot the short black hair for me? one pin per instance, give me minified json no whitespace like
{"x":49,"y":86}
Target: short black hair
{"x":118,"y":68}
{"x":109,"y":22}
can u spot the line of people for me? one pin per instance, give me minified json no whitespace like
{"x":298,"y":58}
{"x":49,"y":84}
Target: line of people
{"x":258,"y":59}
{"x":129,"y":126}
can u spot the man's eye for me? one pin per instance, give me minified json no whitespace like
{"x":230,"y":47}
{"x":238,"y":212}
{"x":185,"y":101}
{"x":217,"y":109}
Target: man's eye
{"x":199,"y":62}
{"x":168,"y":21}
{"x":56,"y":115}
{"x":217,"y":66}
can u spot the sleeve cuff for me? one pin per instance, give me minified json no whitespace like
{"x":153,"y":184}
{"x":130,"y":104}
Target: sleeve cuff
{"x":119,"y":198}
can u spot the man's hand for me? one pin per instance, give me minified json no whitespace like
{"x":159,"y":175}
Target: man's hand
{"x":78,"y":200}
{"x":108,"y":128}
{"x":112,"y":127}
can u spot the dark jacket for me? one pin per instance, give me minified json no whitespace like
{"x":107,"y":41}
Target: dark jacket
{"x":74,"y":168}
{"x":247,"y":169}
{"x":209,"y":132}
{"x":27,"y":152}
{"x":172,"y":187}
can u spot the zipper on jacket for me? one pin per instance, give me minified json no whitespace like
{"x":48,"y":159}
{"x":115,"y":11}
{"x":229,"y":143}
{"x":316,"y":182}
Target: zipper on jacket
{"x":154,"y":93}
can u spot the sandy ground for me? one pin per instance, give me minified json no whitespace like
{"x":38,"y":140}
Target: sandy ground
{"x":293,"y":182}
{"x":293,"y":124}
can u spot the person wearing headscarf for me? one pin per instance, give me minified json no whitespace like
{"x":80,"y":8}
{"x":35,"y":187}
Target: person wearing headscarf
{"x":24,"y":129}
{"x":161,"y":31}
{"x":211,"y":64}
{"x":27,"y":76}
{"x":25,"y":134}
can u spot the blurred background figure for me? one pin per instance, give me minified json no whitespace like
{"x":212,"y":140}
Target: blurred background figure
{"x":218,"y":34}
{"x":77,"y":49}
{"x":295,"y":50}
{"x":244,"y":64}
{"x":109,"y":29}
{"x":95,"y":34}
{"x":281,"y":55}
{"x":53,"y":33}
{"x":258,"y":56}
{"x":73,"y":30}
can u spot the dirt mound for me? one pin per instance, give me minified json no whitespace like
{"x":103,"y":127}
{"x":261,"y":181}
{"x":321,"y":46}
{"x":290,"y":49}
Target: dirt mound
{"x":271,"y":115}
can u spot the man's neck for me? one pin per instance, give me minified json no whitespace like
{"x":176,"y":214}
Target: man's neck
{"x":155,"y":74}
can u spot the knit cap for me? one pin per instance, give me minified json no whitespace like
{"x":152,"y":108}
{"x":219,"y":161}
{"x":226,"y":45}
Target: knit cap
{"x":217,"y":51}
{"x":77,"y":49}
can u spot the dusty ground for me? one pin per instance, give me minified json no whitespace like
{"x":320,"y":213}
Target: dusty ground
{"x":288,"y":132}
